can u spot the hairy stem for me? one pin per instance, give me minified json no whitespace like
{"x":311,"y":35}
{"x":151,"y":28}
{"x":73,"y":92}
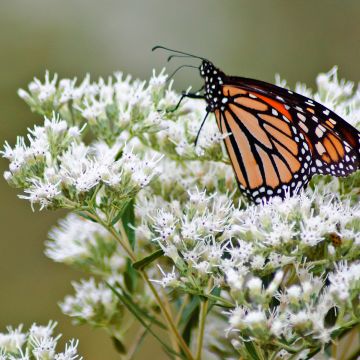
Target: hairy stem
{"x":168,"y":307}
{"x":200,"y":335}
{"x":181,"y":309}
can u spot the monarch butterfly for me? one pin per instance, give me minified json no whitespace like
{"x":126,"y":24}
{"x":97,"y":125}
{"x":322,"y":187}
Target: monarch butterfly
{"x":277,"y":139}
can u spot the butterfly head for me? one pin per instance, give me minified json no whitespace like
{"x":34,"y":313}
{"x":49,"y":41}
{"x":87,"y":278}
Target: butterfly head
{"x":214,"y":78}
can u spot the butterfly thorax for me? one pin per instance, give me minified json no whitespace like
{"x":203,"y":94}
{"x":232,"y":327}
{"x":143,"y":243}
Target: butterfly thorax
{"x":214,"y":78}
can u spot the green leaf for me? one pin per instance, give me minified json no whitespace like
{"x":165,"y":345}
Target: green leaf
{"x":189,"y":318}
{"x":218,"y":300}
{"x":128,"y":220}
{"x":87,"y":217}
{"x":344,"y":329}
{"x":251,"y":350}
{"x":215,"y":292}
{"x":189,"y":310}
{"x":139,"y":265}
{"x":119,"y":346}
{"x":119,"y":155}
{"x":130,"y":277}
{"x":117,"y":217}
{"x":120,"y":213}
{"x":141,"y":311}
{"x":313,"y":353}
{"x":138,"y":316}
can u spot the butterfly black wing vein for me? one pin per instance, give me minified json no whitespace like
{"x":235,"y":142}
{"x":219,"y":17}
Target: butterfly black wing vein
{"x":276,"y":139}
{"x":325,"y":142}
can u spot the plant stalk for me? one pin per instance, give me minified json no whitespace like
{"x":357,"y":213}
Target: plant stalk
{"x":168,"y":307}
{"x":166,"y":313}
{"x":202,"y":318}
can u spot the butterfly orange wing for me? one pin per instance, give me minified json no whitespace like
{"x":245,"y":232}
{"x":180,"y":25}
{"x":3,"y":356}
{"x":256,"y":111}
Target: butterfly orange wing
{"x":334,"y":143}
{"x":268,"y":152}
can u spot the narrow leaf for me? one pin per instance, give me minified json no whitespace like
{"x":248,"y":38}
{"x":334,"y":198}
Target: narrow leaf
{"x":128,"y":220}
{"x":215,"y":292}
{"x":140,"y":311}
{"x":143,"y":323}
{"x":139,"y":265}
{"x":218,"y":300}
{"x":87,"y":217}
{"x":251,"y":350}
{"x":189,"y":318}
{"x":130,"y":277}
{"x":118,"y":216}
{"x":189,"y":310}
{"x":311,"y":354}
{"x":119,"y":346}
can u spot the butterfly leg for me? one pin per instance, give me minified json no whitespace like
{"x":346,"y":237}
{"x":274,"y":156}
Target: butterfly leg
{"x":201,"y":89}
{"x":186,"y":95}
{"x":202,"y":124}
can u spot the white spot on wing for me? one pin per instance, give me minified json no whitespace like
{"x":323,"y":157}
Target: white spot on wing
{"x":303,"y":126}
{"x":301,"y":117}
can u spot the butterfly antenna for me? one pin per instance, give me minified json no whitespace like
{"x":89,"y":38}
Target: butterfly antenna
{"x":179,"y":68}
{"x":177,"y":51}
{"x":178,"y":56}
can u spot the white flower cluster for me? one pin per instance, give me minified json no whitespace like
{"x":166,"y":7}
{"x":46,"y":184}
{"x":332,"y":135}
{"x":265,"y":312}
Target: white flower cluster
{"x":94,"y":304}
{"x":121,"y":108}
{"x":38,"y":343}
{"x":345,"y":281}
{"x":214,"y":244}
{"x":287,"y":272}
{"x":303,"y":311}
{"x":86,"y":245}
{"x":282,"y":313}
{"x":57,"y":169}
{"x":207,"y":235}
{"x":34,"y":166}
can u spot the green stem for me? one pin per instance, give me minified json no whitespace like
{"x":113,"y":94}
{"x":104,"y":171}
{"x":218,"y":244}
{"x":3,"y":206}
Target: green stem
{"x":167,"y":315}
{"x":181,"y":309}
{"x":286,"y":347}
{"x":200,"y":335}
{"x":260,"y":353}
{"x":272,"y":357}
{"x":215,"y":298}
{"x":124,"y":244}
{"x":168,"y":307}
{"x":317,"y":262}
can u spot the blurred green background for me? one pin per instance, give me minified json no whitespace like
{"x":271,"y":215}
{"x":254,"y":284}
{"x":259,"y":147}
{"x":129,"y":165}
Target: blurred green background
{"x":297,"y":39}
